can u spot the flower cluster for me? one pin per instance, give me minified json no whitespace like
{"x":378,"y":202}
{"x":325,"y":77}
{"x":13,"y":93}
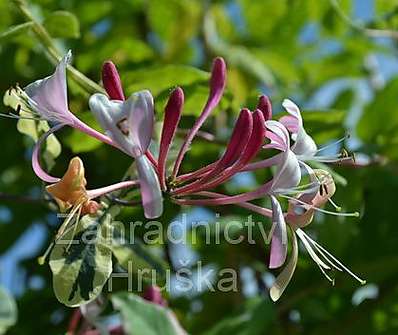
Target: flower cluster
{"x":128,"y":126}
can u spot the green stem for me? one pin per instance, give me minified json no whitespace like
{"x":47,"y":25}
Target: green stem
{"x":45,"y":39}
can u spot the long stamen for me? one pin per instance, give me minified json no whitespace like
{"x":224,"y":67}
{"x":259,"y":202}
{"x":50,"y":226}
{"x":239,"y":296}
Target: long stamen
{"x":42,"y":259}
{"x":326,"y":159}
{"x":338,"y":208}
{"x":363,"y":282}
{"x":18,"y":117}
{"x":332,"y":280}
{"x":334,"y":143}
{"x":308,"y":206}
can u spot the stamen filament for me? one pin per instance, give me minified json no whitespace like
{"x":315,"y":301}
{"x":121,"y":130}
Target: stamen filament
{"x":334,"y":143}
{"x":308,"y":206}
{"x":338,"y":208}
{"x":363,"y":282}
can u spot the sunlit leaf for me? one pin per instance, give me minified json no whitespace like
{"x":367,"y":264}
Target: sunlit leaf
{"x":81,"y":262}
{"x":62,"y":24}
{"x":149,"y":318}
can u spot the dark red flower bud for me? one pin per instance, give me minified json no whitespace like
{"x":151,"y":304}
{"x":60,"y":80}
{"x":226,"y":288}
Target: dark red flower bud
{"x":111,"y":81}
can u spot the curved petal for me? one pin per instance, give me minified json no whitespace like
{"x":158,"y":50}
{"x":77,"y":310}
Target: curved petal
{"x":43,"y":175}
{"x":139,"y":109}
{"x":279,"y":236}
{"x":286,"y":275}
{"x":50,"y":94}
{"x":304,"y":144}
{"x":128,"y":123}
{"x":279,"y":136}
{"x":288,"y":174}
{"x":151,"y":194}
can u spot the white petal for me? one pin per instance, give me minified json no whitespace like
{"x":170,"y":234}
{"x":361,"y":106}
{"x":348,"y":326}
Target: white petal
{"x":129,"y":123}
{"x":152,"y":199}
{"x":139,"y":108}
{"x":286,"y":275}
{"x":288,"y":174}
{"x":304,"y":144}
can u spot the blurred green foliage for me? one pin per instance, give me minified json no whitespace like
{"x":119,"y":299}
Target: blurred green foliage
{"x":286,"y":48}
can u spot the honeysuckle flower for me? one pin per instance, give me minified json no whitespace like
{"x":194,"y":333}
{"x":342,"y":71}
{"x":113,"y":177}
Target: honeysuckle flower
{"x":70,"y":191}
{"x":304,"y":146}
{"x":114,"y":88}
{"x":287,"y":177}
{"x":300,"y":214}
{"x":129,"y":123}
{"x":72,"y":197}
{"x":47,"y":99}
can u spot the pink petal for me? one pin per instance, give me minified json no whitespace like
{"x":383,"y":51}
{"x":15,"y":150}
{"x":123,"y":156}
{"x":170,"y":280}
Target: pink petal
{"x":50,"y":94}
{"x":111,"y":81}
{"x":151,"y":195}
{"x":139,"y":108}
{"x":290,"y":122}
{"x":36,"y":157}
{"x":284,"y":277}
{"x":217,"y":85}
{"x":172,"y":116}
{"x":279,"y":236}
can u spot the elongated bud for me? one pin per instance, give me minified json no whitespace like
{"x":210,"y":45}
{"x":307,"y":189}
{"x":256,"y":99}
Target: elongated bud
{"x":217,"y":80}
{"x":256,"y":138}
{"x":112,"y":82}
{"x":172,"y":116}
{"x":265,"y":106}
{"x":217,"y":85}
{"x":153,"y":294}
{"x":239,"y":137}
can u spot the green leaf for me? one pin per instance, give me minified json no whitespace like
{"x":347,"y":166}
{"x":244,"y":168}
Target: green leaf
{"x":15,"y":31}
{"x":135,"y":256}
{"x":324,"y":125}
{"x":166,"y":19}
{"x":81,"y":269}
{"x":78,"y":141}
{"x":62,"y":24}
{"x":148,"y":318}
{"x":257,"y":317}
{"x":236,"y":55}
{"x":378,"y":125}
{"x":8,"y":311}
{"x":159,"y":78}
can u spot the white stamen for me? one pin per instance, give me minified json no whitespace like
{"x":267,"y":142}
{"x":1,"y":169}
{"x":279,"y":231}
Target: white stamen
{"x":319,"y":247}
{"x":308,"y":206}
{"x":334,"y":143}
{"x":332,"y":280}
